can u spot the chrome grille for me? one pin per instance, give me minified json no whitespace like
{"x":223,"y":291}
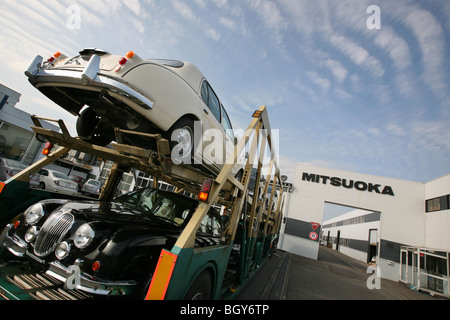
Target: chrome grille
{"x":51,"y":233}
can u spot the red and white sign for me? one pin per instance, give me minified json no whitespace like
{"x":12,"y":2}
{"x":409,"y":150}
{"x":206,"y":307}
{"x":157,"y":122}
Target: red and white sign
{"x":313,"y":236}
{"x":314,"y":225}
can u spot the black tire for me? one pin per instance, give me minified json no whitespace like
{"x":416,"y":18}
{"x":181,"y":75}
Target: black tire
{"x":181,"y":138}
{"x":42,"y":185}
{"x":88,"y":128}
{"x":144,"y":286}
{"x":201,"y":288}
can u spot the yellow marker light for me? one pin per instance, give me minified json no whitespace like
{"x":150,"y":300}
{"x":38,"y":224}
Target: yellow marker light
{"x":205,"y":189}
{"x":47,"y":148}
{"x":203,"y":196}
{"x":129,"y":55}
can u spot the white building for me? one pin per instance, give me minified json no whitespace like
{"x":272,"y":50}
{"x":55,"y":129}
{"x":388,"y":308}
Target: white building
{"x":354,"y":234}
{"x":403,"y":224}
{"x":17,"y":140}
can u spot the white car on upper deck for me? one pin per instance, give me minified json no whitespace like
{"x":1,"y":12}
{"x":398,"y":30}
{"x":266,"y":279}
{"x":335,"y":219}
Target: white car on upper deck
{"x":106,"y":91}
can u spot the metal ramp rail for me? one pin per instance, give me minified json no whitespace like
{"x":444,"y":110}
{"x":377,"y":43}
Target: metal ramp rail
{"x":179,"y":268}
{"x":16,"y":195}
{"x":184,"y":266}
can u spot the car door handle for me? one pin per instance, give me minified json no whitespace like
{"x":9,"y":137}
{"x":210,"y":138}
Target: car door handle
{"x":206,"y":110}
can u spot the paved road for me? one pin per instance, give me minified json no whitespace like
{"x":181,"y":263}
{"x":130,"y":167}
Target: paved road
{"x":333,"y":276}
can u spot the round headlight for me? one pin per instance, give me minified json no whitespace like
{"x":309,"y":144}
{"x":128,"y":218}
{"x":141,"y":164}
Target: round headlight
{"x":34,"y":213}
{"x":62,"y":250}
{"x":31,"y":234}
{"x":83,"y":236}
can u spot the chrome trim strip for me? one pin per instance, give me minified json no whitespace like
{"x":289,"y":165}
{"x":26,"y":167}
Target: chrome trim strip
{"x":32,"y":256}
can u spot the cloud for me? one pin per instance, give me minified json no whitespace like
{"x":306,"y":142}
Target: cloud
{"x":228,"y":23}
{"x":185,"y":11}
{"x":323,"y":83}
{"x":270,"y":13}
{"x":433,"y":136}
{"x":220,"y":3}
{"x":429,"y":35}
{"x":357,"y":54}
{"x":307,"y":17}
{"x":103,"y":7}
{"x":35,"y":12}
{"x":25,"y":40}
{"x":325,"y":23}
{"x":134,"y":6}
{"x":201,"y":3}
{"x":139,"y":26}
{"x":212,"y":34}
{"x":271,"y":17}
{"x":396,"y":46}
{"x":337,"y":69}
{"x":233,"y":25}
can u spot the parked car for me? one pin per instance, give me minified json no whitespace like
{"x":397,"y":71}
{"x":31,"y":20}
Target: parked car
{"x":115,"y":245}
{"x":56,"y":181}
{"x":170,"y":97}
{"x":9,"y":168}
{"x":80,"y":181}
{"x":91,"y":187}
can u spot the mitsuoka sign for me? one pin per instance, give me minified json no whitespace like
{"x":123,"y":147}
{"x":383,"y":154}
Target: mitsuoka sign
{"x":349,"y":184}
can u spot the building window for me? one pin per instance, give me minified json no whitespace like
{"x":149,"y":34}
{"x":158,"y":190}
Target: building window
{"x":437,"y":204}
{"x":125,"y":182}
{"x":14,"y":141}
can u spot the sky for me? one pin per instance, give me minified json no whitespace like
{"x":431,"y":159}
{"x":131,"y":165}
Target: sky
{"x":352,"y":85}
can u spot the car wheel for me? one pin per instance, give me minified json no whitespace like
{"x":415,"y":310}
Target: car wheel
{"x":201,"y":288}
{"x":90,"y":128}
{"x":42,"y":185}
{"x":182,"y":141}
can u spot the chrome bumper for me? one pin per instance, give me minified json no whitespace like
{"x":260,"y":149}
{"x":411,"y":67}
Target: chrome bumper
{"x":91,"y":79}
{"x":14,"y":244}
{"x":73,"y":278}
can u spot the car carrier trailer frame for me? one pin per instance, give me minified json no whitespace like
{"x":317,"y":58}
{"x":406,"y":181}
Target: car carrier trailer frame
{"x":185,"y":270}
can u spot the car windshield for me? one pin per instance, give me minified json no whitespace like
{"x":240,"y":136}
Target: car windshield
{"x":153,"y":203}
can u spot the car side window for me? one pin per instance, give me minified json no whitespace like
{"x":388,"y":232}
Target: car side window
{"x":226,"y":123}
{"x":204,"y":92}
{"x":210,"y":99}
{"x":43,"y":172}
